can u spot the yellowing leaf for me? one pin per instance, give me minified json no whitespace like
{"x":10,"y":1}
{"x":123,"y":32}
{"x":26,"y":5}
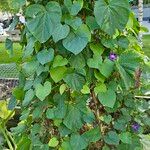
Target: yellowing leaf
{"x":4,"y":112}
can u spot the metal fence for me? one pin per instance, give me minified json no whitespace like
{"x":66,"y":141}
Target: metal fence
{"x":8,"y":71}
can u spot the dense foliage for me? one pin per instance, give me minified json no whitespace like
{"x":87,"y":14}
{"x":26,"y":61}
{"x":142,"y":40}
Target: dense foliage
{"x":78,"y":89}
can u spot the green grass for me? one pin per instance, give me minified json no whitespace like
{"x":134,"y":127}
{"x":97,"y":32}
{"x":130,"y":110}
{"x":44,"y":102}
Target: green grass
{"x":146,"y":45}
{"x":4,"y":55}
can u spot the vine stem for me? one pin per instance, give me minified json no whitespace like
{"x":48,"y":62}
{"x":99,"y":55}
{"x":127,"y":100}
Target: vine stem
{"x":97,"y":111}
{"x":6,"y":137}
{"x":10,"y":137}
{"x":5,"y":132}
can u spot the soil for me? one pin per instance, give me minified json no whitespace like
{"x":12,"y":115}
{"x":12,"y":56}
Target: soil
{"x":6,"y":86}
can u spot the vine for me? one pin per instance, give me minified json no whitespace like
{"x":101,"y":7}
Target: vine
{"x":77,"y":90}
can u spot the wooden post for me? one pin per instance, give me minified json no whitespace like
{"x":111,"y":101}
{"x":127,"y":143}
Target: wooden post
{"x":140,"y":19}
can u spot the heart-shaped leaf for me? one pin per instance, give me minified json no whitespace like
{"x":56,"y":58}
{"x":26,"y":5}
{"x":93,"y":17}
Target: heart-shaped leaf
{"x":108,"y":14}
{"x":60,"y":32}
{"x":95,"y":62}
{"x":107,"y":98}
{"x":59,"y":61}
{"x":30,"y":68}
{"x":43,"y":20}
{"x":45,"y":56}
{"x":42,"y":91}
{"x":53,"y":142}
{"x":58,"y":73}
{"x":81,"y":36}
{"x":112,"y":138}
{"x":75,"y":81}
{"x":73,"y":119}
{"x":74,"y":7}
{"x":107,"y":68}
{"x":85,"y":89}
{"x":77,"y":61}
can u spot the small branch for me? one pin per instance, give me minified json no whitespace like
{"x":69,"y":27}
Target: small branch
{"x":145,"y":97}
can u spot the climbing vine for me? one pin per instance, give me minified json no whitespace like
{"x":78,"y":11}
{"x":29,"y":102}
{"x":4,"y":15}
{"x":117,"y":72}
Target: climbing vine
{"x":77,"y":89}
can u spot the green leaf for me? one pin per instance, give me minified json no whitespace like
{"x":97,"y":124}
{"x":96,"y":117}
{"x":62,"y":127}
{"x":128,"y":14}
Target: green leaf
{"x":91,"y":22}
{"x":45,"y":56}
{"x":73,"y":118}
{"x":109,"y":42}
{"x":125,"y":76}
{"x":107,"y":68}
{"x":85,"y":89}
{"x":24,"y":143}
{"x":120,"y":125}
{"x":107,"y":119}
{"x":53,"y":142}
{"x":77,"y":142}
{"x":29,"y":95}
{"x":18,"y":129}
{"x":100,"y":87}
{"x":14,"y":23}
{"x":25,"y":113}
{"x":35,"y":129}
{"x":18,"y":93}
{"x":112,"y":138}
{"x":105,"y":147}
{"x":109,"y":16}
{"x":59,"y":111}
{"x":30,"y":68}
{"x":59,"y":61}
{"x":107,"y":98}
{"x":58,"y":73}
{"x":62,"y":88}
{"x":123,"y":42}
{"x":99,"y":76}
{"x":97,"y":49}
{"x":41,"y":69}
{"x":64,"y":131}
{"x":77,"y":61}
{"x":9,"y":46}
{"x":75,"y":81}
{"x":74,"y":22}
{"x":43,"y":20}
{"x":37,"y":112}
{"x":65,"y":145}
{"x":95,"y":62}
{"x":125,"y":137}
{"x":74,"y":7}
{"x":42,"y":91}
{"x":17,"y":4}
{"x":81,"y":36}
{"x":4,"y":112}
{"x":127,"y":68}
{"x":28,"y":51}
{"x":12,"y":103}
{"x":60,"y":32}
{"x":92,"y":135}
